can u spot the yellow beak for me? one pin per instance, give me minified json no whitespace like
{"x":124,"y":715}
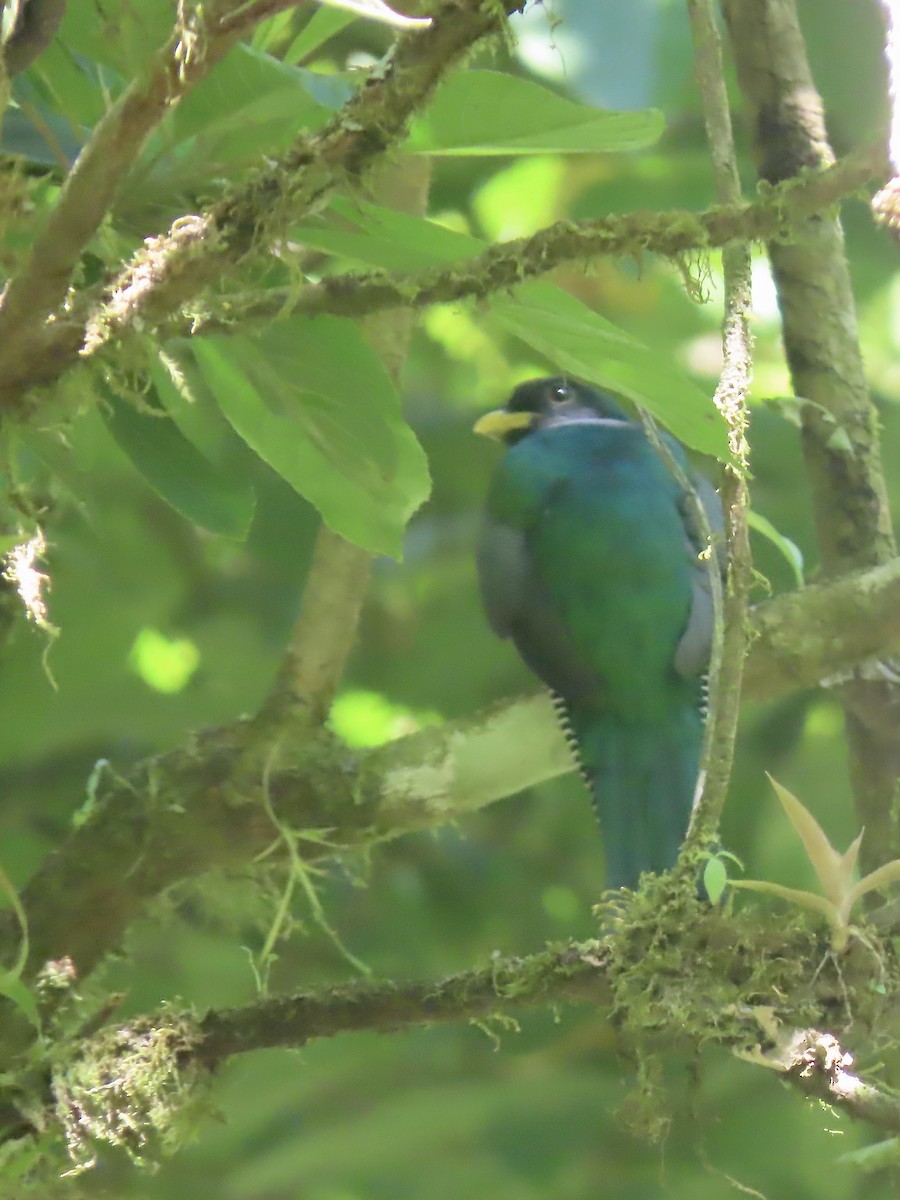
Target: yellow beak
{"x":500,"y":422}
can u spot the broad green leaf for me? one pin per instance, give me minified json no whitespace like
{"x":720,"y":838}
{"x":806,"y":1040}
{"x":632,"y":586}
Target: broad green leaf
{"x":321,"y":26}
{"x":489,"y":112}
{"x":245,"y":88}
{"x":789,"y":550}
{"x":75,"y":88}
{"x":27,"y":138}
{"x":194,"y":409}
{"x":215,"y":499}
{"x":117,"y":32}
{"x":273,"y":32}
{"x":377,"y":10}
{"x":578,"y":341}
{"x":249,"y":102}
{"x":314,"y":400}
{"x":381,"y":237}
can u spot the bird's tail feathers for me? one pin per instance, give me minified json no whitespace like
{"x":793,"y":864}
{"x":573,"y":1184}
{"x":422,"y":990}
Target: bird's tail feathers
{"x":642,"y":778}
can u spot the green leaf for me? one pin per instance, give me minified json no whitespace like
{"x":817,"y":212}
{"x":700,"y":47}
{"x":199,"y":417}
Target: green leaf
{"x":790,"y":550}
{"x":314,"y":400}
{"x":715,"y":878}
{"x":273,"y":32}
{"x":578,"y":341}
{"x":76,"y":89}
{"x":11,"y":984}
{"x":188,"y":400}
{"x":246,"y":87}
{"x":321,"y":26}
{"x":119,"y":33}
{"x":178,"y":472}
{"x":21,"y":996}
{"x":489,"y":112}
{"x":381,"y":237}
{"x":42,"y":143}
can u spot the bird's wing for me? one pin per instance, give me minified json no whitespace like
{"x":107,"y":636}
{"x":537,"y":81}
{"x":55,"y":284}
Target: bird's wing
{"x":693,"y":651}
{"x":503,"y":572}
{"x":519,"y":606}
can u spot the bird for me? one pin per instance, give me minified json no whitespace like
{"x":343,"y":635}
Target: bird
{"x":589,"y":561}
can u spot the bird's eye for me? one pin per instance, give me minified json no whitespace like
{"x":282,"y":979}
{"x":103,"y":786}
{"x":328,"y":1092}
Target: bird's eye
{"x":559,"y":394}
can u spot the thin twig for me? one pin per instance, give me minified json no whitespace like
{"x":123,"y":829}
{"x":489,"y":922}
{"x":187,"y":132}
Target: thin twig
{"x":730,"y":646}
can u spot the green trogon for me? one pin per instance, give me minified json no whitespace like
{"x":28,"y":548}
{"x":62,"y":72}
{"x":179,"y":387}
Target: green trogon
{"x":588,"y":560}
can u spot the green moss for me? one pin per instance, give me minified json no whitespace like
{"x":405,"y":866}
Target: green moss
{"x":134,"y":1087}
{"x":693,"y":974}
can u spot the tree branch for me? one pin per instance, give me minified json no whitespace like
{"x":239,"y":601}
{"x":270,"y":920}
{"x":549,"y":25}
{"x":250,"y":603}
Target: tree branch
{"x":734,"y":981}
{"x":35,"y":28}
{"x":670,"y":234}
{"x":712,"y":995}
{"x":182,"y":813}
{"x":839,"y":422}
{"x":197,"y":250}
{"x":193,"y":48}
{"x":75,"y":336}
{"x":816,"y":1063}
{"x":810,"y":1060}
{"x":555,"y":976}
{"x":730,"y":646}
{"x":371,"y":124}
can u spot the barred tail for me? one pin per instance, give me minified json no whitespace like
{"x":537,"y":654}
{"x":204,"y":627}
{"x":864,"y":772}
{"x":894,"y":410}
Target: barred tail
{"x":642,"y":778}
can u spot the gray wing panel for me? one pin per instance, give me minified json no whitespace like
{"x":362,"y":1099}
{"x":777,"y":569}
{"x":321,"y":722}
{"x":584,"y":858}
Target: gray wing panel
{"x":502,"y":560}
{"x":693,"y":652}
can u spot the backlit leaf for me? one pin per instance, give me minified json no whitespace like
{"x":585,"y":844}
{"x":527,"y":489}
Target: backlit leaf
{"x":488,"y":112}
{"x":314,"y":400}
{"x":213,"y":498}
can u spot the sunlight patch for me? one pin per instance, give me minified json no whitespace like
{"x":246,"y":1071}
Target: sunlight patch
{"x":164,"y":664}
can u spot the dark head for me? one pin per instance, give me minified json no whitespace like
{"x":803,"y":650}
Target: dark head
{"x":547,"y":403}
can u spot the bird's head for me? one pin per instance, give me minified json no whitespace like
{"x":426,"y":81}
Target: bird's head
{"x":546,"y":404}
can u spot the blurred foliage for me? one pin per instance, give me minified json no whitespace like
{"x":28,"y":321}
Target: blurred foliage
{"x":171,"y":619}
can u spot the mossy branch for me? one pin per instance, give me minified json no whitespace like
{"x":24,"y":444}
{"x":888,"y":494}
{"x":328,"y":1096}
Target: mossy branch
{"x":102,"y":316}
{"x":730,"y":645}
{"x":716,"y":993}
{"x":839,"y":422}
{"x":198,"y":249}
{"x":199,"y":39}
{"x":763,"y":991}
{"x":669,"y":234}
{"x":179,"y":814}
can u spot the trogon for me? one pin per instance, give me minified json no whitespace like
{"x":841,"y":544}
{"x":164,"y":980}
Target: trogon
{"x":589,"y":561}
